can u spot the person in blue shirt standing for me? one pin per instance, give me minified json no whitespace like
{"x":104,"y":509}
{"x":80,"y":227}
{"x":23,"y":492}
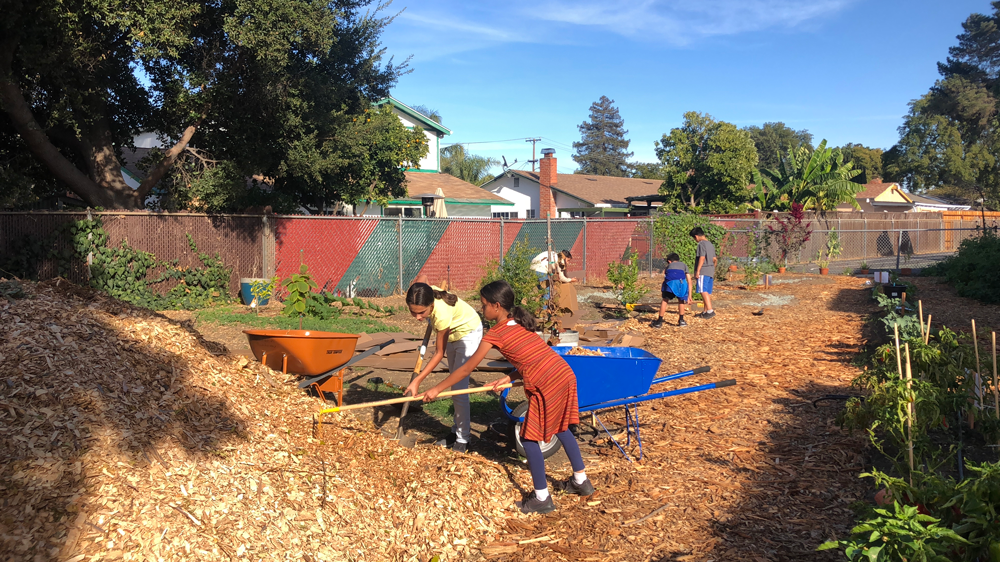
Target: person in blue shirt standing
{"x":676,"y":284}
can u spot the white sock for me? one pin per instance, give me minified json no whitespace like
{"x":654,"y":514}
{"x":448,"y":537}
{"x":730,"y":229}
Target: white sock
{"x":542,"y":495}
{"x":579,"y":477}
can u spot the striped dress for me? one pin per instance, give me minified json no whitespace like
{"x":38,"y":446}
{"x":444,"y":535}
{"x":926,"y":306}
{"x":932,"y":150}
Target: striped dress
{"x":548,"y":381}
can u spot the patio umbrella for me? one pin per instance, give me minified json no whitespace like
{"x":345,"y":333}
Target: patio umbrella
{"x":439,"y":209}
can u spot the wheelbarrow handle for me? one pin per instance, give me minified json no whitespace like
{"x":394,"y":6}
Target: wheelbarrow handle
{"x":682,"y":374}
{"x":355,"y":359}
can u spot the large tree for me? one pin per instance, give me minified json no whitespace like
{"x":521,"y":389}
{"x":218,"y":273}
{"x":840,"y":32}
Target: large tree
{"x":707,"y":164}
{"x":603,"y":148}
{"x":951,"y":136}
{"x":773,"y":140}
{"x":466,"y":166}
{"x":867,"y":160}
{"x":277,"y":89}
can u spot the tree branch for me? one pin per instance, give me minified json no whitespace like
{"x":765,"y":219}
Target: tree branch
{"x":157,"y":173}
{"x":37,"y":141}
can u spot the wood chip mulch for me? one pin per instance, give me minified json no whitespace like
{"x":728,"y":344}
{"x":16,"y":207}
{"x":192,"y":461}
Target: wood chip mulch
{"x":124,"y":436}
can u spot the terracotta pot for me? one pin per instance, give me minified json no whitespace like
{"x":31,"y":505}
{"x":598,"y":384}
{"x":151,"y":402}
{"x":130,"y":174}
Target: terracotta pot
{"x":781,"y":270}
{"x":733,"y":268}
{"x":906,"y":271}
{"x":863,"y":271}
{"x":824,"y":270}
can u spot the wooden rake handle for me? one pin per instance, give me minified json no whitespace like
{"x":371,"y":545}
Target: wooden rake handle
{"x":444,"y":394}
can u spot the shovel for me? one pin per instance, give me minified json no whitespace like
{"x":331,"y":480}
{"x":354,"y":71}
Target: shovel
{"x":416,"y":371}
{"x":403,"y":400}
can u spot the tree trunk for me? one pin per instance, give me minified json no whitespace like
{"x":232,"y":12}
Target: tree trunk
{"x":103,"y":184}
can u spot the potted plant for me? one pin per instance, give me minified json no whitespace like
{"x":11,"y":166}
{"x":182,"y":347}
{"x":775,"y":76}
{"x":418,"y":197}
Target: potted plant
{"x":790,"y":234}
{"x":831,"y":251}
{"x":863,"y":268}
{"x":264,"y":289}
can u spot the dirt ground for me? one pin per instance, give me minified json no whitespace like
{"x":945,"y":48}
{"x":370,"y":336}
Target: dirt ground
{"x":758,"y":471}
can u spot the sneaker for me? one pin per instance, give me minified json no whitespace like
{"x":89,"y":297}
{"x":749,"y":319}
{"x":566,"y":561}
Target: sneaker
{"x":709,"y":314}
{"x":459,"y":447}
{"x":447,"y":441}
{"x":534,"y":505}
{"x":658,"y":323}
{"x":681,"y":322}
{"x":585,"y":489}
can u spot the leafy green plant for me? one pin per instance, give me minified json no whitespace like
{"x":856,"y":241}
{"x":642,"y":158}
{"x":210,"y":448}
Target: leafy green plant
{"x":830,"y":251}
{"x":516,"y":270}
{"x":624,"y":279}
{"x":301,"y":301}
{"x":751,"y":274}
{"x":262,"y":290}
{"x":972,"y":270}
{"x":863,"y":265}
{"x":671,"y":233}
{"x":900,"y":534}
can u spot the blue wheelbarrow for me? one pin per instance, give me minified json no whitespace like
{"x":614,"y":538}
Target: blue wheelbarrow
{"x":622,"y":376}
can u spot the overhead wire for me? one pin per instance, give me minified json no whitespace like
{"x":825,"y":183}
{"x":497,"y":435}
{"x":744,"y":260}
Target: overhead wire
{"x":485,"y":142}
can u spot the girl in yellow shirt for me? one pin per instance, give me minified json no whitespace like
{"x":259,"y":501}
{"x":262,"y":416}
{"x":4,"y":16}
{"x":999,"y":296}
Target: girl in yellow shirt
{"x":459,"y":331}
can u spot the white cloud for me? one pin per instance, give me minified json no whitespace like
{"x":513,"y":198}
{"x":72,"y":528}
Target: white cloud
{"x":447,"y":27}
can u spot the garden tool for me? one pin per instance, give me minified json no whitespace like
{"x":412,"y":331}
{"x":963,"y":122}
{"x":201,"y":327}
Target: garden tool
{"x":416,"y":371}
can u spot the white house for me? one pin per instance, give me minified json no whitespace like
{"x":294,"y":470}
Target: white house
{"x":570,"y":195}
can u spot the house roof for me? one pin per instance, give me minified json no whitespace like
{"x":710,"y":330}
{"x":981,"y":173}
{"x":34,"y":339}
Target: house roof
{"x":427,"y":122}
{"x":454,"y":189}
{"x":598,"y":190}
{"x":877,"y":187}
{"x":928,"y":200}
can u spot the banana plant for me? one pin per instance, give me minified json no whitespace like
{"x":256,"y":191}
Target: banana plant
{"x":818,"y":180}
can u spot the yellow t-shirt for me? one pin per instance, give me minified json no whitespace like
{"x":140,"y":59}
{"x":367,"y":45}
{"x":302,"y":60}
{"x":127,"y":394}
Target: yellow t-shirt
{"x":462,"y":319}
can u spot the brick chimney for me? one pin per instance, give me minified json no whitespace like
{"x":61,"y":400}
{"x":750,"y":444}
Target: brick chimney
{"x":546,"y":179}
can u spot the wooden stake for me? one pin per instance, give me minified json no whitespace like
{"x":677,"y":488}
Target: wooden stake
{"x":909,"y":418}
{"x":975,"y":342}
{"x":920,"y":309}
{"x":899,"y":359}
{"x":996,"y":392}
{"x":927,"y":336}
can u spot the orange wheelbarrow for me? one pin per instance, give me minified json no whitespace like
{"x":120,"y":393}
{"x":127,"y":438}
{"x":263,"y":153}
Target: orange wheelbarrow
{"x":322,"y":356}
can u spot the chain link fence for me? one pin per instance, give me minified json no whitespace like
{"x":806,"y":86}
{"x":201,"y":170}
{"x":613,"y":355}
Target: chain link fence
{"x":367,"y":257}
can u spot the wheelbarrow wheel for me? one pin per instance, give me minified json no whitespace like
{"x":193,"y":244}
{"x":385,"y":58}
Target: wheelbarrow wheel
{"x":514,"y":433}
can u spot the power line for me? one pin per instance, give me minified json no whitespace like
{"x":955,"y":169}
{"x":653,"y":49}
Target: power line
{"x":485,"y":142}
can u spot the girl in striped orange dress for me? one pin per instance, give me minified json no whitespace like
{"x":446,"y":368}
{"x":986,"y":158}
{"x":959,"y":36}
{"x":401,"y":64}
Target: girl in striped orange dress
{"x":548,"y":381}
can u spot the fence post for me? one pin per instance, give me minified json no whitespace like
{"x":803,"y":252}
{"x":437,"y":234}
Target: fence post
{"x":264,"y":235}
{"x":584,"y":250}
{"x":651,"y":248}
{"x":501,"y":240}
{"x":865,"y":248}
{"x":399,"y":239}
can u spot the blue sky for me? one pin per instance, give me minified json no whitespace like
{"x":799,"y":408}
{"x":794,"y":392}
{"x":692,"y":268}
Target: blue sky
{"x":843,"y":69}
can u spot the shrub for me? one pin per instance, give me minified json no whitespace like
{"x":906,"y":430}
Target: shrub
{"x":791,"y":233}
{"x":671,"y":232}
{"x":972,"y":270}
{"x":516,"y":270}
{"x":624,"y":278}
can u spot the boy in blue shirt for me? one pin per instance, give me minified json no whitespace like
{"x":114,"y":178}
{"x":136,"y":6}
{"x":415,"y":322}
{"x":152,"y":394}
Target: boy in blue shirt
{"x":676,"y":284}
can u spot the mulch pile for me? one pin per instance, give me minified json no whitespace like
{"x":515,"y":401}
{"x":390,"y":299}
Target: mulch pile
{"x":125,"y":436}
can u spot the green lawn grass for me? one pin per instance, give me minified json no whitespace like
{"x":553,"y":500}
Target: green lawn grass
{"x":234,"y":315}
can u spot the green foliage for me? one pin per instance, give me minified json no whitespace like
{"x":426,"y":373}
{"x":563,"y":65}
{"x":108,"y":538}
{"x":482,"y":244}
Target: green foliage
{"x":831,"y":250}
{"x":901,"y":534}
{"x":472,"y":168}
{"x":707,"y":164}
{"x":301,"y":301}
{"x":972,"y":270}
{"x":818,"y":180}
{"x":123,"y":271}
{"x":671,"y":232}
{"x":239,"y":316}
{"x":774,"y":139}
{"x":305,"y":71}
{"x":867,"y":160}
{"x":624,"y":279}
{"x":262,"y":290}
{"x":602,"y":149}
{"x":516,"y":270}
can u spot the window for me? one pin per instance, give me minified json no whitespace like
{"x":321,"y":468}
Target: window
{"x":530,"y":214}
{"x":517,"y":181}
{"x":408,"y":212}
{"x":505,"y":215}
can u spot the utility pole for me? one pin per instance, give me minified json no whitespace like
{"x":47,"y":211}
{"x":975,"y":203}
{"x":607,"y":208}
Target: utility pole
{"x":533,"y":160}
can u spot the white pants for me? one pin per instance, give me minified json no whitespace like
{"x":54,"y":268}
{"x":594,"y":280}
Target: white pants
{"x":458,"y":353}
